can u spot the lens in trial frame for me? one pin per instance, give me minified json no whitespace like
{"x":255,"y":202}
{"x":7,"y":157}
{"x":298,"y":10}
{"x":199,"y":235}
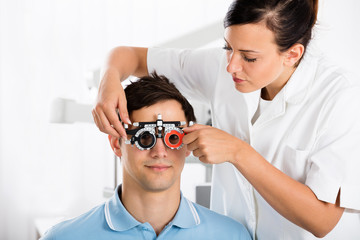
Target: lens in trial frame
{"x":173,"y":139}
{"x":146,"y":139}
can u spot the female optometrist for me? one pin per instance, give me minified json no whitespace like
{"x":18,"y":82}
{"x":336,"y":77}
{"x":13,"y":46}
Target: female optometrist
{"x":286,"y":135}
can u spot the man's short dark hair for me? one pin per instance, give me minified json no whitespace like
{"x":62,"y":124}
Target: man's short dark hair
{"x":149,"y":90}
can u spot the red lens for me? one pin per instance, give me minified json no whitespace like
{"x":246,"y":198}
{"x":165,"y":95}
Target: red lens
{"x":173,"y":139}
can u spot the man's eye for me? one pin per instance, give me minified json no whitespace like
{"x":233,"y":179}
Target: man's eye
{"x":174,"y":139}
{"x":146,"y":139}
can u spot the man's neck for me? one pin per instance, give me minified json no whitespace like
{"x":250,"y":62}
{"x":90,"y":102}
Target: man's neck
{"x":156,"y":208}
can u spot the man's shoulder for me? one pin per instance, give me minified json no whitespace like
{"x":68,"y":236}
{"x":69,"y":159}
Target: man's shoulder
{"x":208,"y":216}
{"x":86,"y":224}
{"x":222,"y":224}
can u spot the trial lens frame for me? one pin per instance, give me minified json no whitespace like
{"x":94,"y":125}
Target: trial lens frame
{"x":165,"y":130}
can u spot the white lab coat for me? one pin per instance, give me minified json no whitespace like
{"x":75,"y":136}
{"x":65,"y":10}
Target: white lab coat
{"x":310,"y":131}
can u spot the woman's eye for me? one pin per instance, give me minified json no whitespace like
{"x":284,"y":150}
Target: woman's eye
{"x":227,"y":48}
{"x":174,"y":139}
{"x":249,"y":59}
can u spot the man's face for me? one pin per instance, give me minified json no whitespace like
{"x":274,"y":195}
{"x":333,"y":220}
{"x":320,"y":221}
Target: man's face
{"x":159,"y":168}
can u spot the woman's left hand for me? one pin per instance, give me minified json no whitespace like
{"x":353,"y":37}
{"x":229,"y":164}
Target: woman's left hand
{"x":212,"y":145}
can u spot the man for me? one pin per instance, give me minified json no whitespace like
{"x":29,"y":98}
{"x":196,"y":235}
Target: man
{"x":149,"y":204}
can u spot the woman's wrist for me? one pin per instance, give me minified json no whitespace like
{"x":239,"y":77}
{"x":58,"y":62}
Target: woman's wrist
{"x":243,"y":153}
{"x":238,"y":153}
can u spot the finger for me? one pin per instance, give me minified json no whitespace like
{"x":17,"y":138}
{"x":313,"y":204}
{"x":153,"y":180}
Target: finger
{"x":204,"y":159}
{"x":107,"y":128}
{"x":194,"y":127}
{"x":202,"y":133}
{"x":116,"y":124}
{"x":109,"y":118}
{"x":124,"y":115}
{"x":192,"y":146}
{"x":97,"y":120}
{"x":190,"y":138}
{"x":198,"y":153}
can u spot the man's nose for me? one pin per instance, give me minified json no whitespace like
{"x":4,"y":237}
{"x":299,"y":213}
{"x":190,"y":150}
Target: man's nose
{"x":159,"y":150}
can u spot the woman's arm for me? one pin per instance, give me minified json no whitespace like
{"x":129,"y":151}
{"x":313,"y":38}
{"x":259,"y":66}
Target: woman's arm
{"x":290,"y":198}
{"x":122,"y":62}
{"x":128,"y":61}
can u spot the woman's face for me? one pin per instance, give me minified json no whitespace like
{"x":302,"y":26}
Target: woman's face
{"x":253,"y":58}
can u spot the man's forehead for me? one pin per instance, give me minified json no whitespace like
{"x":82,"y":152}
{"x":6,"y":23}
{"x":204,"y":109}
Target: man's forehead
{"x":170,"y":110}
{"x":167,"y":115}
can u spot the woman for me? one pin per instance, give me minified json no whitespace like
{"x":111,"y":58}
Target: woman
{"x":284,"y":139}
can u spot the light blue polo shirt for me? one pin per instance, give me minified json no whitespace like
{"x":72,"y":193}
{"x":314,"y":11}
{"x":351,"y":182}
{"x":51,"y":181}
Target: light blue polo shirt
{"x":112,"y":221}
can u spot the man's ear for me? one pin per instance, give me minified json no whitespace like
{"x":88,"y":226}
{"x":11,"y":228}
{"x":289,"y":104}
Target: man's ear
{"x":115,"y":145}
{"x":294,"y":54}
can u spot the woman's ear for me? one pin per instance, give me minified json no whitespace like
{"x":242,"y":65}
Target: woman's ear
{"x":115,"y":145}
{"x":294,"y":54}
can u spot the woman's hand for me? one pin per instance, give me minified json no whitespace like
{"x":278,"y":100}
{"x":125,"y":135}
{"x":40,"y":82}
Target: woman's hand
{"x":111,"y":96}
{"x":122,"y":62}
{"x":301,"y":207}
{"x":212,"y":145}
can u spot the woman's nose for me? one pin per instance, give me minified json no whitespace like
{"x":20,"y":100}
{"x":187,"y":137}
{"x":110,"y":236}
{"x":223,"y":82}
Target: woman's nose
{"x":234,"y":63}
{"x":159,"y":150}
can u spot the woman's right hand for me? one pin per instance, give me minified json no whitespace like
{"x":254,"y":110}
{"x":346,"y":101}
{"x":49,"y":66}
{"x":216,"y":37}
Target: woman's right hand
{"x":111,"y":98}
{"x":122,"y":62}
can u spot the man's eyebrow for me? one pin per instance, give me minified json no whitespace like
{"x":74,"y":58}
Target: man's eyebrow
{"x":242,"y":50}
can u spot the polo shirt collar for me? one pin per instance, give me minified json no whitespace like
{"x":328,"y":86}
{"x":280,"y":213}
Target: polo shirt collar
{"x":119,"y":219}
{"x":187,"y":215}
{"x":116,"y":215}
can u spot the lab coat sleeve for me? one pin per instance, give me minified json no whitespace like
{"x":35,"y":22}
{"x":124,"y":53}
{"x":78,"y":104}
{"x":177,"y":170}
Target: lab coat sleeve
{"x":335,"y":158}
{"x":194,"y":72}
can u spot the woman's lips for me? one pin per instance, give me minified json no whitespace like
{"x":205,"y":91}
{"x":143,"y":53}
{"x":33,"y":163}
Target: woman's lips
{"x":238,"y":80}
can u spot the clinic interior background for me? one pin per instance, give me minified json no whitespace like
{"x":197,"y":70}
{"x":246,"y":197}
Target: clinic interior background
{"x":49,"y":49}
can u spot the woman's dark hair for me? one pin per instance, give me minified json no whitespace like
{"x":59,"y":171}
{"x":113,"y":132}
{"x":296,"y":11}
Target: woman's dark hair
{"x":291,"y":21}
{"x":149,"y":90}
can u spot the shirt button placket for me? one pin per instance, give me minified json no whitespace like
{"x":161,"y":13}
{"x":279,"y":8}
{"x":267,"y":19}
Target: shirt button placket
{"x":148,"y":234}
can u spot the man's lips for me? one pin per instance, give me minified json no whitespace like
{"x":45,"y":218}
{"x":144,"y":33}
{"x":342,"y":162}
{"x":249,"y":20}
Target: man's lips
{"x":158,"y":167}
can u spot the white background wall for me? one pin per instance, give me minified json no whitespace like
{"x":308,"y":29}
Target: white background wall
{"x":47,"y":46}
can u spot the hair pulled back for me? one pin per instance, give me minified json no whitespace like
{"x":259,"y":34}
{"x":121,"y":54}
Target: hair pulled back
{"x":291,"y":21}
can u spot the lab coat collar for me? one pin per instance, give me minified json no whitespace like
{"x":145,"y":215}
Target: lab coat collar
{"x":119,"y":219}
{"x":300,"y":82}
{"x":274,"y":110}
{"x":252,"y":101}
{"x":294,"y":92}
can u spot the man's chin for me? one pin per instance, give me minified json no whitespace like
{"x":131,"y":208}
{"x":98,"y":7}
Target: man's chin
{"x":158,"y":186}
